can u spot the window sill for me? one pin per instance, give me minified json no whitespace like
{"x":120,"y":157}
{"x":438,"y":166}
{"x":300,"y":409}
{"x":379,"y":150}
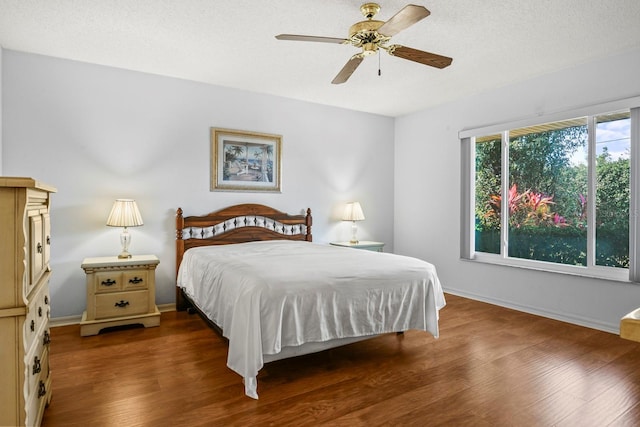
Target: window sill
{"x":607,"y":273}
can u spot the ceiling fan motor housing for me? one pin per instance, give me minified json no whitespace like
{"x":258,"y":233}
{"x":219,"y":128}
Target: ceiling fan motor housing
{"x":365,"y":34}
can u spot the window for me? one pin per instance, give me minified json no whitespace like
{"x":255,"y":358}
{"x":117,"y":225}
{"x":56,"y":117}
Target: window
{"x":553,"y":195}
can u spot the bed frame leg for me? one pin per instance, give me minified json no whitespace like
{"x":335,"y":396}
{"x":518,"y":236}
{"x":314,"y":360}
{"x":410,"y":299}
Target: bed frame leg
{"x":181,"y":301}
{"x":400,"y":333}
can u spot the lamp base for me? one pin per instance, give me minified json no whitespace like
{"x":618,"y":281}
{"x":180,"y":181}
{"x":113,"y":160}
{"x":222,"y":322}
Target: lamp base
{"x":125,"y":240}
{"x":354,"y":233}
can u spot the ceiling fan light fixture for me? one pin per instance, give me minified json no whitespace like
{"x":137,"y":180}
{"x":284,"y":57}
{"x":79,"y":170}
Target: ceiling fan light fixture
{"x":369,"y":49}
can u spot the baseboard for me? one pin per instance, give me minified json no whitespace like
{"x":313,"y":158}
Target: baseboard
{"x":575,"y":320}
{"x":55,"y":322}
{"x":167,"y":307}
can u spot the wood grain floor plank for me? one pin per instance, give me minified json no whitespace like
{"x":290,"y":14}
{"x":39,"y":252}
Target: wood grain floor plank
{"x":491,"y":366}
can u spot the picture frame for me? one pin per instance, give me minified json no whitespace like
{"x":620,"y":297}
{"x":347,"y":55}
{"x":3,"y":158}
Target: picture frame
{"x":245,"y":161}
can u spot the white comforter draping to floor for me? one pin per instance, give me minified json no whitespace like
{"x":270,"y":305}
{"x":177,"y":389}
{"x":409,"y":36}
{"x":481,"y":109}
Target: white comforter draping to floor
{"x":274,"y":294}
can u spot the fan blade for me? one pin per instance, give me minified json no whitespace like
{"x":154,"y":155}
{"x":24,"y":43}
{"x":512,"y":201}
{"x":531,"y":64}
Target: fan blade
{"x":420,"y":56}
{"x":348,"y":69}
{"x":408,"y":15}
{"x":299,"y":38}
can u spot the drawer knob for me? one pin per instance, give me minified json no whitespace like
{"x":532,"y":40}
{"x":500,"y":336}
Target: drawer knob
{"x":136,"y":280}
{"x":108,"y":282}
{"x":39,"y":311}
{"x":46,"y":299}
{"x":33,"y":325}
{"x":122,"y":304}
{"x":42,"y":389}
{"x":39,"y":248}
{"x":37,"y":366}
{"x":49,"y":240}
{"x":46,"y":339}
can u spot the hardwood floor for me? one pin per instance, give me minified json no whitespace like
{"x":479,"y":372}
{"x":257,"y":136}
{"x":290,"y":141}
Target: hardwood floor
{"x":490,"y":367}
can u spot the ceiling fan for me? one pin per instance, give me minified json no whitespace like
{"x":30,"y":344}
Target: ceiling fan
{"x":372,"y":35}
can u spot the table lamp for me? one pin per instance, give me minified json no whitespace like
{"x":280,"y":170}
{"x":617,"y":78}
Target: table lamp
{"x":124,"y":213}
{"x":353,"y":213}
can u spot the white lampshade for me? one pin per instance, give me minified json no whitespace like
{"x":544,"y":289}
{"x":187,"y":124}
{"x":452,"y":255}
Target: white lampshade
{"x":124,"y":213}
{"x":353,"y":212}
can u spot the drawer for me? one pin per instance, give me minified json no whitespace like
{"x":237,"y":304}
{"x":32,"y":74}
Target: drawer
{"x":121,"y":304}
{"x":38,"y":397}
{"x":37,"y":362}
{"x":135,"y":279}
{"x":108,"y":281}
{"x":38,"y":313}
{"x":115,"y":281}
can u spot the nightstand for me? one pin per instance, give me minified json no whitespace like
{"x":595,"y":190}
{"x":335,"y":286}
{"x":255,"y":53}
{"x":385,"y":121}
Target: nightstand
{"x":120,"y":292}
{"x":362,"y":244}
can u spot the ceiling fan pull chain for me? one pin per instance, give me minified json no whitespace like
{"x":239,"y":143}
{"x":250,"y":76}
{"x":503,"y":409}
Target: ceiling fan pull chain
{"x":379,"y":71}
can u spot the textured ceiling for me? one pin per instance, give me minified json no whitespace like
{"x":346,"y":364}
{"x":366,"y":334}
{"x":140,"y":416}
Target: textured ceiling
{"x":231,"y":43}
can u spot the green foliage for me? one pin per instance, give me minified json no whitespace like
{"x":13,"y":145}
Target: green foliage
{"x":488,"y":176}
{"x":563,"y":245}
{"x":612,"y":211}
{"x":535,"y":159}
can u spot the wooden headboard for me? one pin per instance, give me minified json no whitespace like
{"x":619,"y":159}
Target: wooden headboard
{"x":236,"y":224}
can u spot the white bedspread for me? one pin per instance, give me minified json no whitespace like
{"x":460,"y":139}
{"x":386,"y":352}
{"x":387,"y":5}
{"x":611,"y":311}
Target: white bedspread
{"x":274,"y":294}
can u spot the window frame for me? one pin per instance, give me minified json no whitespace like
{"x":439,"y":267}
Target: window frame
{"x":467,"y":179}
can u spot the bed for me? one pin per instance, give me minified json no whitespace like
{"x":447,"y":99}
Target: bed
{"x":254,"y":273}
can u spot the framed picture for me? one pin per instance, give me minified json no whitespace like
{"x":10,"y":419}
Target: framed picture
{"x":245,"y":161}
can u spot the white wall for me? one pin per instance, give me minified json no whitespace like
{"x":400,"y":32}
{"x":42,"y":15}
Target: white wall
{"x":99,"y":133}
{"x":427,"y":193}
{"x":1,"y":102}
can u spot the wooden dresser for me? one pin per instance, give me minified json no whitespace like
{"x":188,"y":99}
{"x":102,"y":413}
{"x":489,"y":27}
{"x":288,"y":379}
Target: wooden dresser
{"x":25,"y":380}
